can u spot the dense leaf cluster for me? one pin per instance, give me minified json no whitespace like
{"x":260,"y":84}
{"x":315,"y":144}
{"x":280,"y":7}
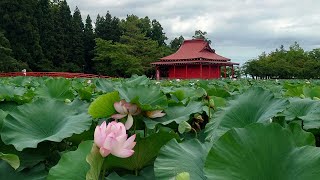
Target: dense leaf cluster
{"x":43,"y":35}
{"x":244,"y":129}
{"x":285,"y":64}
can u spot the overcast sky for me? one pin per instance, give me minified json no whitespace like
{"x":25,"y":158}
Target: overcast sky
{"x":239,"y":29}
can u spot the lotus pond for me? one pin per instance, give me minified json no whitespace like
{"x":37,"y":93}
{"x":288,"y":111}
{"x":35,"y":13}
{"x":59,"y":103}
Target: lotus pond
{"x":137,"y":128}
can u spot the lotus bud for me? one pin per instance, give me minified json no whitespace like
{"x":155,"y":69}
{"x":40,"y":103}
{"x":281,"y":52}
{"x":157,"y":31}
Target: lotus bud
{"x":211,"y":103}
{"x":198,"y":117}
{"x":184,"y":126}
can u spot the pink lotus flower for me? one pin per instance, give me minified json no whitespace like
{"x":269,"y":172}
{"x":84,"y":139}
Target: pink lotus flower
{"x":112,"y":139}
{"x":126,"y":109}
{"x":155,"y":114}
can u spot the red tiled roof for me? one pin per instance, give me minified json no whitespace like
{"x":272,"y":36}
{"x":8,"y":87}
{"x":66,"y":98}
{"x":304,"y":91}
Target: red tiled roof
{"x":194,"y":49}
{"x":194,"y":62}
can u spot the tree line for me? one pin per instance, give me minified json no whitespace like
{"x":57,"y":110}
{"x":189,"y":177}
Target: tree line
{"x":43,"y":35}
{"x":285,"y":64}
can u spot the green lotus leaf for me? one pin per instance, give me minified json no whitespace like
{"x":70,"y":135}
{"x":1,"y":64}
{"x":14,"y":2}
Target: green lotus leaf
{"x":176,"y":113}
{"x":255,"y":105}
{"x":218,"y":92}
{"x":218,"y":101}
{"x":187,"y":157}
{"x":187,"y":92}
{"x":102,"y":107}
{"x":146,"y":150}
{"x":301,"y":137}
{"x":146,"y":173}
{"x":183,"y":176}
{"x":3,"y":114}
{"x":29,"y":157}
{"x":299,"y":108}
{"x":104,"y":85}
{"x":36,"y":173}
{"x":22,"y":81}
{"x":148,"y":98}
{"x":136,"y":80}
{"x":293,"y":90}
{"x":73,"y":164}
{"x":9,"y":93}
{"x":311,"y":92}
{"x":56,"y":88}
{"x":44,"y":120}
{"x":95,"y":160}
{"x":12,"y":159}
{"x":306,"y":110}
{"x":261,"y":151}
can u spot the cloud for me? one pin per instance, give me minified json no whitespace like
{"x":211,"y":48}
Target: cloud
{"x":239,"y":29}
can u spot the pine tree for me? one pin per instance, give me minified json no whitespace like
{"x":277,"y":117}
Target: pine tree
{"x":45,"y":24}
{"x":157,"y":33}
{"x":77,"y":37}
{"x":89,"y":43}
{"x":7,"y":62}
{"x":63,"y":36}
{"x":20,"y":28}
{"x":108,"y":28}
{"x":176,"y":43}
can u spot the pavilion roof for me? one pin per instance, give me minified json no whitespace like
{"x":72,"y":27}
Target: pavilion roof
{"x":194,"y":49}
{"x":224,"y":63}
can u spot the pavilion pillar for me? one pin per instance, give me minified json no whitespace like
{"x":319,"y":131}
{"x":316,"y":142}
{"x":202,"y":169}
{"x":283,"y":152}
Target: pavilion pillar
{"x":186,"y":71}
{"x":232,"y":72}
{"x":209,"y":71}
{"x":201,"y":70}
{"x":225,"y":71}
{"x":157,"y":73}
{"x":174,"y":71}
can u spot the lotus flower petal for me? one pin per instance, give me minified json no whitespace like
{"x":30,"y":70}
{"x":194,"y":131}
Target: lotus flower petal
{"x":104,"y":152}
{"x":124,"y":153}
{"x":129,"y":144}
{"x":133,"y":109}
{"x":118,"y":116}
{"x":155,"y":114}
{"x":112,"y":139}
{"x":100,"y":134}
{"x":121,"y":107}
{"x":129,"y":122}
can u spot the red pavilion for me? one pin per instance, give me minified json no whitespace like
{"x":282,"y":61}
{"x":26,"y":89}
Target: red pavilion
{"x":195,"y":59}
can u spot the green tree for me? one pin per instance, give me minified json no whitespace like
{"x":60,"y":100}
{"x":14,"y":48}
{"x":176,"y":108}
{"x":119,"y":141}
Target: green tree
{"x":176,"y":43}
{"x":198,"y":34}
{"x":77,"y":52}
{"x":145,"y":26}
{"x":157,"y":33}
{"x":63,"y":37}
{"x":45,"y":24}
{"x":132,"y":55}
{"x":7,"y":62}
{"x":20,"y":28}
{"x":142,"y":47}
{"x":115,"y":59}
{"x":89,"y":43}
{"x":108,"y":28}
{"x":285,"y":64}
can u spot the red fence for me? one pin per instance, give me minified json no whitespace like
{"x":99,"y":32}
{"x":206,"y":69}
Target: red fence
{"x":52,"y":74}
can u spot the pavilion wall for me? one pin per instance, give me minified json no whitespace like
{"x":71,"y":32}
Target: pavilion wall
{"x":194,"y":72}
